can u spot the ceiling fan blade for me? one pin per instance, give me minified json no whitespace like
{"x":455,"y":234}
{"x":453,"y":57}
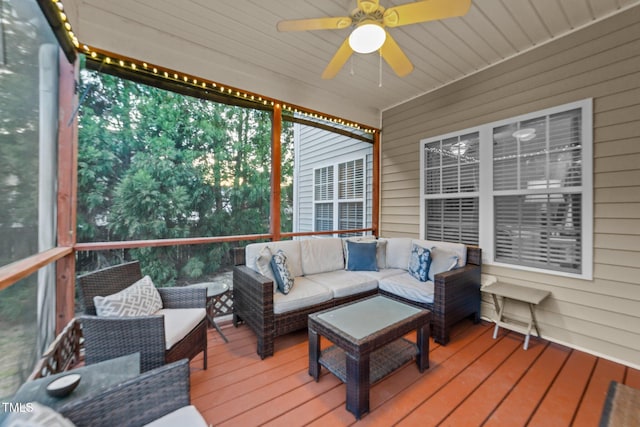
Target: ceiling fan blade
{"x":424,"y":10}
{"x":395,"y":57}
{"x":339,"y":59}
{"x":331,"y":23}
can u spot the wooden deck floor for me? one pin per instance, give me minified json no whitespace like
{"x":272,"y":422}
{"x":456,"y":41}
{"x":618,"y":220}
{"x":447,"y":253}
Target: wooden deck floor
{"x":474,"y":380}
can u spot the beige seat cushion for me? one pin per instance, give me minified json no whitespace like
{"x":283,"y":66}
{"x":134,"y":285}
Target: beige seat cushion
{"x":185,"y":416}
{"x":406,"y":286}
{"x":304,"y":293}
{"x":344,"y":283}
{"x":178,"y":322}
{"x":381,"y":274}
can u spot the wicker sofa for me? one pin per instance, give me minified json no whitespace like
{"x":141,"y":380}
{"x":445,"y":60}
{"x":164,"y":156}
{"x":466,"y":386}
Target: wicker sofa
{"x":321,"y":282}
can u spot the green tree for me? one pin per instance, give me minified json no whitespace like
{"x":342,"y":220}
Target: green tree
{"x":154,"y":164}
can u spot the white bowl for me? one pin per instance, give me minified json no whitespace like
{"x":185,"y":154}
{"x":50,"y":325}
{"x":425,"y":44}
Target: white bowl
{"x":62,"y":386}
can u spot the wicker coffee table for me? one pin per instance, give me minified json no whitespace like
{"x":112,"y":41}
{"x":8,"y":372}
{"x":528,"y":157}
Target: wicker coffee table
{"x":368,"y":344}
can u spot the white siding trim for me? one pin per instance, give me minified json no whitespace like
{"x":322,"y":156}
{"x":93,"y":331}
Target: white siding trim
{"x":296,"y":176}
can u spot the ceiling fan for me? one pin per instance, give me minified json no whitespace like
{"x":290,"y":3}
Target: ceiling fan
{"x":369,"y":20}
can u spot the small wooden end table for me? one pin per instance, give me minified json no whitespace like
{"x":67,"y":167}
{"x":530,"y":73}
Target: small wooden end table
{"x":214,"y":291}
{"x":368,"y":344}
{"x":508,"y":291}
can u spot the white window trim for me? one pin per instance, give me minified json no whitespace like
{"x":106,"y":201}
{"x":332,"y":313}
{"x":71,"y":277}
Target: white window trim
{"x":486,"y":215}
{"x":336,"y":200}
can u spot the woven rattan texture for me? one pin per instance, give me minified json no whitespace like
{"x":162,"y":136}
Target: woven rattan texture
{"x":134,"y":402}
{"x":106,"y":338}
{"x":382,"y":361}
{"x":456,"y":296}
{"x":63,"y":354}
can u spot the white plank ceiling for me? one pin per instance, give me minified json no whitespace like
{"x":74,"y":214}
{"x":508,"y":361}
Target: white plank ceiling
{"x":235,"y":42}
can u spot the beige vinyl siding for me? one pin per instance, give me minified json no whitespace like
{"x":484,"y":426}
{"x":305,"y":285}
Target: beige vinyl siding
{"x":600,"y":62}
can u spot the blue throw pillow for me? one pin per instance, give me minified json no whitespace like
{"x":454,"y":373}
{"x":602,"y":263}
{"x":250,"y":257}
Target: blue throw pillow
{"x":362,"y":256}
{"x":419,"y":262}
{"x":281,"y":272}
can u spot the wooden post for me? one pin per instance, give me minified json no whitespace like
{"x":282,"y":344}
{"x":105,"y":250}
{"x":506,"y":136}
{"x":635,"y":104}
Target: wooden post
{"x":67,"y":189}
{"x":375,"y":188}
{"x":276,"y":171}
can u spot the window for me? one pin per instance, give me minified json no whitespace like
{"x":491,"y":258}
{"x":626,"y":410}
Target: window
{"x":520,"y":188}
{"x":537,"y":188}
{"x":450,"y":188}
{"x":339,"y":196}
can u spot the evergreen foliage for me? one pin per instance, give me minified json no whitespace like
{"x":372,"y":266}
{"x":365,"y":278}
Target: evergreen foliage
{"x":154,"y":164}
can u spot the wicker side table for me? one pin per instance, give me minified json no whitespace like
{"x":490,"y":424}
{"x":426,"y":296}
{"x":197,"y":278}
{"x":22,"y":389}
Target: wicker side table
{"x":214,"y":293}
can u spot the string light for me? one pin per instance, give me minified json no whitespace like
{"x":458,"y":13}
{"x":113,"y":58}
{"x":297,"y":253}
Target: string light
{"x":143,"y":67}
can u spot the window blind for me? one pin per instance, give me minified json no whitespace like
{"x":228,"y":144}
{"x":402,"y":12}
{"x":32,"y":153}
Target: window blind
{"x":323,"y":216}
{"x":539,"y":231}
{"x":323,"y":184}
{"x":346,"y":209}
{"x":452,"y":220}
{"x":350,"y":216}
{"x":351,"y":179}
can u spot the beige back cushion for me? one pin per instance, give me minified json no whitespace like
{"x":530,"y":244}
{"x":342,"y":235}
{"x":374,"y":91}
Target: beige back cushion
{"x":398,"y":252}
{"x":321,"y":255}
{"x":458,"y":249}
{"x":291,"y":248}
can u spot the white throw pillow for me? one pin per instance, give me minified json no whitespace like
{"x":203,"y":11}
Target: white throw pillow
{"x":263,"y":263}
{"x":140,"y":299}
{"x":441,"y":260}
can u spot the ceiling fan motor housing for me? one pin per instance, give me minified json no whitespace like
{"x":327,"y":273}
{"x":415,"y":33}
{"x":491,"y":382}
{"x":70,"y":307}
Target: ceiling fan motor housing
{"x":359,"y":16}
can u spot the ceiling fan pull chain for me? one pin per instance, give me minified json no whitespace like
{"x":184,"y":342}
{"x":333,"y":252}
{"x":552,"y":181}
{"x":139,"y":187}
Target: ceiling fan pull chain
{"x":351,"y":72}
{"x":380,"y":70}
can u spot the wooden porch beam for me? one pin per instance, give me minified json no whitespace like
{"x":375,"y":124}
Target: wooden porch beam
{"x":375,"y":187}
{"x":276,"y":171}
{"x":67,"y":191}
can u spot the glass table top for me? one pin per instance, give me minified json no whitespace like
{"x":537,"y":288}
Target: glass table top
{"x":368,"y":316}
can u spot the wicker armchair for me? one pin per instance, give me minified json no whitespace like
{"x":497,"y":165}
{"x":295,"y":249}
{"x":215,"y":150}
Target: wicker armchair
{"x":109,"y":337}
{"x":64,"y":353}
{"x":139,"y":401}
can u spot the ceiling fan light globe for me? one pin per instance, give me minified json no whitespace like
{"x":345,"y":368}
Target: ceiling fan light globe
{"x":367,"y":38}
{"x":525,"y":134}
